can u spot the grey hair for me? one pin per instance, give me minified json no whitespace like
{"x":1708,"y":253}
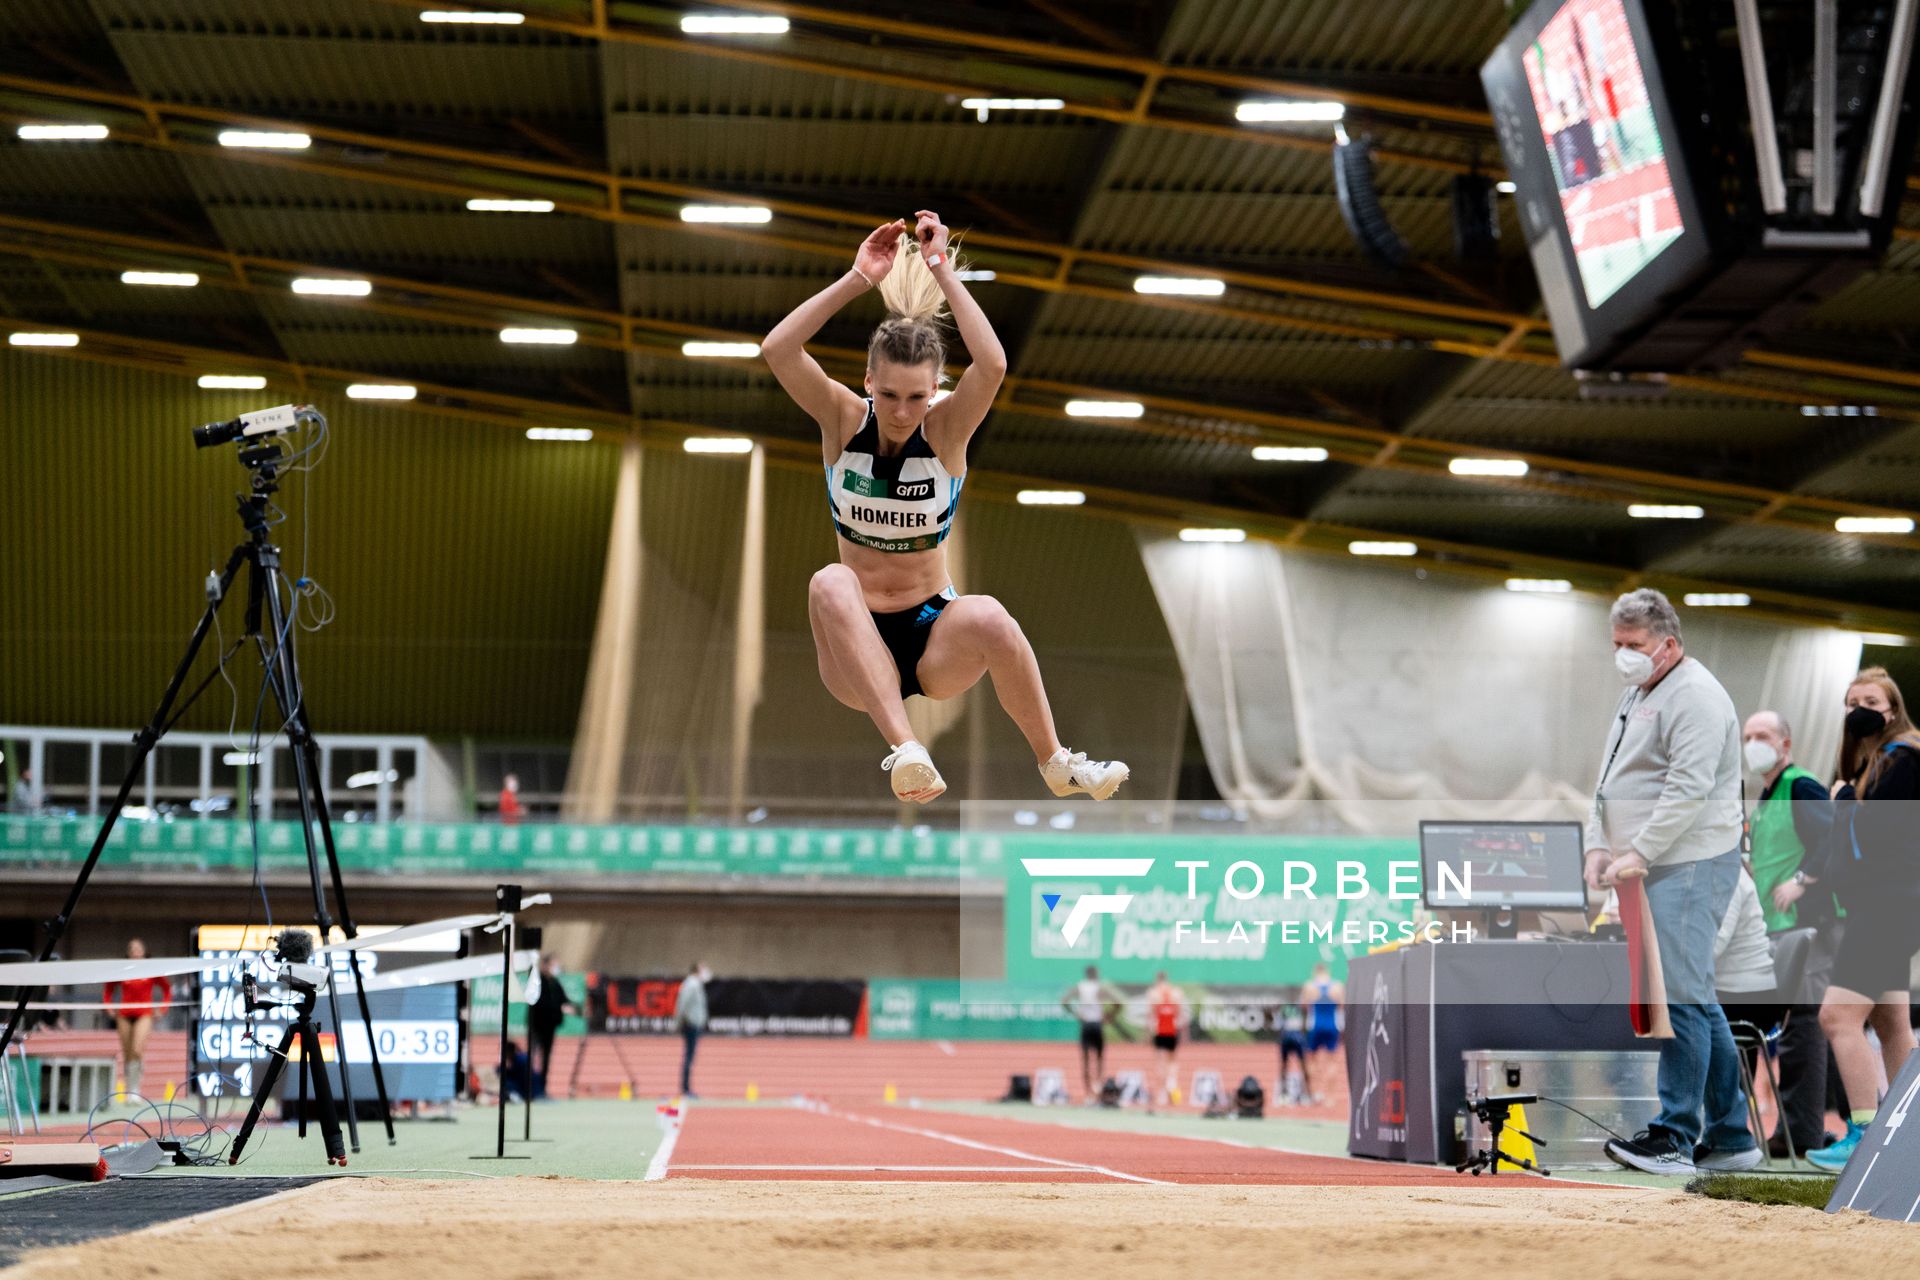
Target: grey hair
{"x":1779,"y":722}
{"x":1646,"y":608}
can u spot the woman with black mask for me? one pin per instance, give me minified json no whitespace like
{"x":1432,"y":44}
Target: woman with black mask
{"x":1870,"y":864}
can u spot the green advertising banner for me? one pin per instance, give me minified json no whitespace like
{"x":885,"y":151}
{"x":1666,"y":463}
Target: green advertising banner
{"x":1212,"y":910}
{"x":915,"y":1009}
{"x":919,"y":1009}
{"x":490,"y":848}
{"x":483,"y":1007}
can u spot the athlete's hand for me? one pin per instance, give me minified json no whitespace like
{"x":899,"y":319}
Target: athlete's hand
{"x":1597,"y":860}
{"x":877,"y":251}
{"x":929,"y":233}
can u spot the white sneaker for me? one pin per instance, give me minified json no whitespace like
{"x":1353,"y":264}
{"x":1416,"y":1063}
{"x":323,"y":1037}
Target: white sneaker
{"x":1070,"y":773}
{"x":914,"y":777}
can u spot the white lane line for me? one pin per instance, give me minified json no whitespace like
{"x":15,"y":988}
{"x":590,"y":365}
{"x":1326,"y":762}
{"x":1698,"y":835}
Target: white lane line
{"x":873,"y":1168}
{"x":1286,"y":1151}
{"x":657,"y":1167}
{"x":1078,"y":1166}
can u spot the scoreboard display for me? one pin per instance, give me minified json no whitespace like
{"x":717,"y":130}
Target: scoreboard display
{"x":416,"y":1029}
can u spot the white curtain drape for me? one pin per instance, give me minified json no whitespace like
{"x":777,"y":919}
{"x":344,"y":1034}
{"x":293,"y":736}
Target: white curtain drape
{"x":1386,"y":697}
{"x":749,"y":630}
{"x":593,"y":774}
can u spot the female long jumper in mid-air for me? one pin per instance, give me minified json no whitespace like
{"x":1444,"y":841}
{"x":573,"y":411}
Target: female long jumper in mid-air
{"x":886,"y":621}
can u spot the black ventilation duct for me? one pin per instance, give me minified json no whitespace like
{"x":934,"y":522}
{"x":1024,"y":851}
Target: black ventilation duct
{"x":1476,"y":221}
{"x":1360,"y":204}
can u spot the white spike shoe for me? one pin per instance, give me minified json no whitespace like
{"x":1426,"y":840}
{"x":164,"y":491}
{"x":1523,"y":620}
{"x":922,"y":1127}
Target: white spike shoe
{"x":914,"y":777}
{"x":1071,"y":773}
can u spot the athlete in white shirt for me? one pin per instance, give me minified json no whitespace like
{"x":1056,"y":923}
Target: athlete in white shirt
{"x":886,"y":621}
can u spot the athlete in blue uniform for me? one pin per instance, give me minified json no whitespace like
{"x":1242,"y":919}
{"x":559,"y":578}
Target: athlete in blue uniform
{"x":886,"y":621}
{"x":1323,"y":1030}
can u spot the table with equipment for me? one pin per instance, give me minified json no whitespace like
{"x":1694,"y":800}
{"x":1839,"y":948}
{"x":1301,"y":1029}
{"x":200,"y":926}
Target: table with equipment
{"x":1412,"y":1014}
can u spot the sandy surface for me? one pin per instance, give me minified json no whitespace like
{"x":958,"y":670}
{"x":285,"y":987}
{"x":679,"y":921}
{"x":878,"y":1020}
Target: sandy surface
{"x":532,"y":1228}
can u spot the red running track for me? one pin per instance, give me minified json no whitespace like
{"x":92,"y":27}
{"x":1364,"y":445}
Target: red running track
{"x":903,"y":1144}
{"x":778,"y":1067}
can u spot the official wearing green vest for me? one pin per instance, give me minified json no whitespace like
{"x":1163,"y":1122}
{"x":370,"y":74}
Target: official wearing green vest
{"x":1793,"y":815}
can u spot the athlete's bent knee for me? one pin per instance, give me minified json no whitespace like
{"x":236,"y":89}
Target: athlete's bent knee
{"x":837,"y":585}
{"x":997,"y":630}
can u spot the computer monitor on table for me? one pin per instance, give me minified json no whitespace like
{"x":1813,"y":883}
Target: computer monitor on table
{"x":1502,"y":867}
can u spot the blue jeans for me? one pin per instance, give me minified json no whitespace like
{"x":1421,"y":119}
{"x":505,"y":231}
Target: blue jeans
{"x":1699,"y":1067}
{"x":690,"y":1040}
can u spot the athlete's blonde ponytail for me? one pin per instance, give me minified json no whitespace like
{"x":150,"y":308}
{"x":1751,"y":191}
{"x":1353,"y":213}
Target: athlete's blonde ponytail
{"x":909,"y":289}
{"x":911,"y":334}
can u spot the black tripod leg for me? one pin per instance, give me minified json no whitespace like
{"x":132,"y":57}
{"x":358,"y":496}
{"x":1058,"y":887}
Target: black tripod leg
{"x":275,"y":1062}
{"x":323,"y":1092}
{"x":143,"y":744}
{"x":312,"y":750}
{"x":278,"y":665}
{"x":580,"y":1056}
{"x":506,"y":1058}
{"x":306,"y":1065}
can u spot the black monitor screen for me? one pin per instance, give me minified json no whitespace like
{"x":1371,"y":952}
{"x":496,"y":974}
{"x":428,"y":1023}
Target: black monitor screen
{"x":1489,"y":865}
{"x":1600,"y":176}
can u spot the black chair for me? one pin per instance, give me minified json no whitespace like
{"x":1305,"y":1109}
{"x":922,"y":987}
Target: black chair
{"x":1791,"y":948}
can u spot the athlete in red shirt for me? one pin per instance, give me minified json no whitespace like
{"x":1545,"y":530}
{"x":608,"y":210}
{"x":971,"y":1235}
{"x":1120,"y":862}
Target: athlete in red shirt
{"x":1167,"y":1011}
{"x":133,"y":1002}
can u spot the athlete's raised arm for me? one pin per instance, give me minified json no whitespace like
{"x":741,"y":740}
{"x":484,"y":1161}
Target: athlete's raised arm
{"x":831,"y":404}
{"x":952,"y":422}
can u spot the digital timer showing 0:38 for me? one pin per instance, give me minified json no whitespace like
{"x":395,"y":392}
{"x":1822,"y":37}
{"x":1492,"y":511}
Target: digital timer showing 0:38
{"x":405,"y":1042}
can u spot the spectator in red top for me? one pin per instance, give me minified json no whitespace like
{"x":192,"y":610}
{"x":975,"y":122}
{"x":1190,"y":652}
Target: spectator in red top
{"x":133,"y":1001}
{"x":511,"y":810}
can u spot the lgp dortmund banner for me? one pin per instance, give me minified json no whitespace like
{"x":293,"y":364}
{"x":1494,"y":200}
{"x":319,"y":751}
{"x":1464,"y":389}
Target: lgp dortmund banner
{"x":1209,"y":909}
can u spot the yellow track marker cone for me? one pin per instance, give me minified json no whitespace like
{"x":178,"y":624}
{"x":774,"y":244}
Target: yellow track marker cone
{"x":891,"y":1095}
{"x":1174,"y":1095}
{"x":626,"y":1092}
{"x":753,"y":1092}
{"x":169,"y":1093}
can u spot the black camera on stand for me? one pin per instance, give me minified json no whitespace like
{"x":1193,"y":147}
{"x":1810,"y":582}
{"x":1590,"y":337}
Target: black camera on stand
{"x":1495,"y":1111}
{"x":292,"y":962}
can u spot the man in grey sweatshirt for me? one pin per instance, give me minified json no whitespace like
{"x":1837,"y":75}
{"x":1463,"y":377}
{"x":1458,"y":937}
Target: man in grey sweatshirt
{"x":1668,"y":807}
{"x":690,"y":1019}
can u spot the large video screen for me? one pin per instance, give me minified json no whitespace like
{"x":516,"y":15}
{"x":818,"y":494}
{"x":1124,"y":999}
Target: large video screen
{"x":418,"y":1027}
{"x":1605,"y":190}
{"x":1493,"y":865}
{"x":1609,"y":160}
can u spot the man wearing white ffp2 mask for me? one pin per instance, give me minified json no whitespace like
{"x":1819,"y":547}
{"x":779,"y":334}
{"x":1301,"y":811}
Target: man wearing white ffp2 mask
{"x":1667,"y":807}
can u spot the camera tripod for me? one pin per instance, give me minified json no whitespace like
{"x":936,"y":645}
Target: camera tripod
{"x":303,"y":1032}
{"x":265,"y":618}
{"x":1494,"y":1112}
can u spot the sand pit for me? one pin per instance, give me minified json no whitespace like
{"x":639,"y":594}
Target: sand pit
{"x":536,"y":1228}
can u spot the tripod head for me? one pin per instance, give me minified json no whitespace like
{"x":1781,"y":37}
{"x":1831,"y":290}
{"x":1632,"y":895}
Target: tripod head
{"x":1496,"y":1107}
{"x":263,"y":463}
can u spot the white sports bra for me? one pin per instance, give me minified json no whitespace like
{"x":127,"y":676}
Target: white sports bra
{"x":902,"y":502}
